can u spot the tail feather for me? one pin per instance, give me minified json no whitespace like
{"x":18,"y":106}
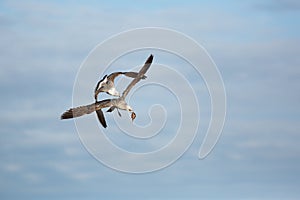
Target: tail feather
{"x":79,"y":111}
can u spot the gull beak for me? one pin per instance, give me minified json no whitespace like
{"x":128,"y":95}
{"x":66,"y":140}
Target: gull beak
{"x":133,"y":116}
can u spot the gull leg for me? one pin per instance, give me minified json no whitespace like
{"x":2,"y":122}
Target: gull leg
{"x":119,"y":112}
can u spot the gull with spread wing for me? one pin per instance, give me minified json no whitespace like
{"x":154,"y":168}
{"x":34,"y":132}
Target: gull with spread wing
{"x":106,"y":84}
{"x":119,"y":103}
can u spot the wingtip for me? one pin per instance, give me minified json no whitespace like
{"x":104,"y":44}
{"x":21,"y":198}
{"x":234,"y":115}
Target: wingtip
{"x":150,"y":59}
{"x":67,"y":114}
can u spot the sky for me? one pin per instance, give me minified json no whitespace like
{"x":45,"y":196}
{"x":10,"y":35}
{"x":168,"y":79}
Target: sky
{"x":255,"y":45}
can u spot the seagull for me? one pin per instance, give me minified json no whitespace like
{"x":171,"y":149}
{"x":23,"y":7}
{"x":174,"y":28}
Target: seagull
{"x":106,"y":84}
{"x":116,"y":103}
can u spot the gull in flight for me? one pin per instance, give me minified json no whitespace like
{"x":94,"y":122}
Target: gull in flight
{"x":119,"y":103}
{"x":107,"y":83}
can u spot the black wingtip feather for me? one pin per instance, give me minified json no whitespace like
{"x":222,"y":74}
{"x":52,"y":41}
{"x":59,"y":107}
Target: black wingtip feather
{"x":101,"y":118}
{"x":150,"y":59}
{"x":67,"y":115}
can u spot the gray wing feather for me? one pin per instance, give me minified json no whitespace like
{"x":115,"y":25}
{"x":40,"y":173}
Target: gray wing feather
{"x":133,"y":75}
{"x":140,"y":75}
{"x":87,"y":109}
{"x":112,"y":76}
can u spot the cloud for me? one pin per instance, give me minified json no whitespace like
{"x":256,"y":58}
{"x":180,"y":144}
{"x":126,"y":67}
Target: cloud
{"x":12,"y":167}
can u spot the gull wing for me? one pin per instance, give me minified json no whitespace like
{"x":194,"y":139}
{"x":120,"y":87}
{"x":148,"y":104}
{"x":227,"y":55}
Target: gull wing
{"x":101,"y":118}
{"x":99,"y":84}
{"x":112,"y":76}
{"x":140,"y":75}
{"x":87,"y":109}
{"x":133,"y":75}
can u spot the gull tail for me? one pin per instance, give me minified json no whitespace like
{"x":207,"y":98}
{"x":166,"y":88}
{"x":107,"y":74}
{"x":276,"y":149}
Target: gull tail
{"x":79,"y":111}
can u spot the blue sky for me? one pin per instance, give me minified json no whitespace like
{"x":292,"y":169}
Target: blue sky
{"x":255,"y":44}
